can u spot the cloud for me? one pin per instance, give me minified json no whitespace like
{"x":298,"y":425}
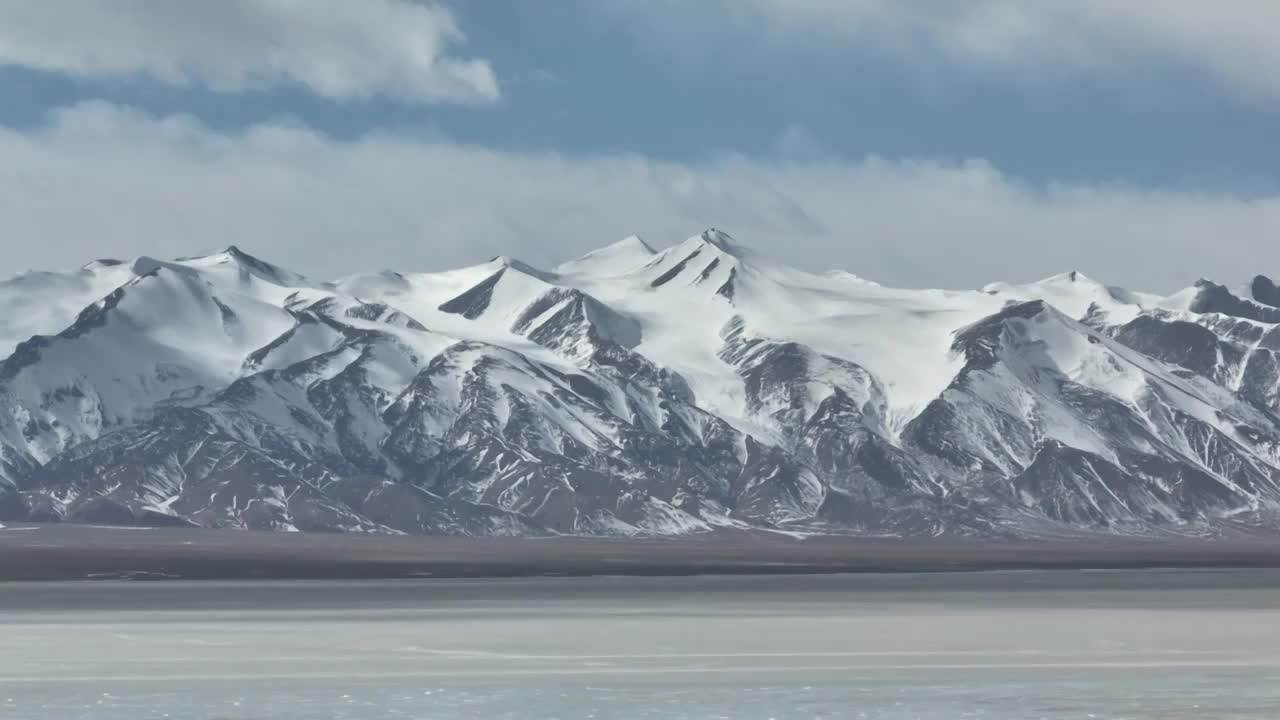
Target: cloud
{"x":102,"y":180}
{"x":340,"y":49}
{"x":1234,"y":42}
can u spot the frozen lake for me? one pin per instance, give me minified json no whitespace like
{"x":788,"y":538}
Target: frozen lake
{"x":1016,"y":645}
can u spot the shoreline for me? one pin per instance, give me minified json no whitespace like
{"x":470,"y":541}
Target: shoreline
{"x":79,"y":552}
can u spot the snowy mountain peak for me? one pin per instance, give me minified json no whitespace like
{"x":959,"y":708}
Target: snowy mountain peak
{"x":722,"y":241}
{"x":503,"y":262}
{"x":711,"y":243}
{"x":236,"y":264}
{"x":612,"y":260}
{"x":1060,"y":280}
{"x":1076,"y":295}
{"x":715,"y":243}
{"x":145,"y":265}
{"x":1070,"y":276}
{"x":710,"y":260}
{"x":635,"y":243}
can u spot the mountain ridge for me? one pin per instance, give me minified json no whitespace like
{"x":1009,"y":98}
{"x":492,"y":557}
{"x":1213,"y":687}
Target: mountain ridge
{"x":634,"y":391}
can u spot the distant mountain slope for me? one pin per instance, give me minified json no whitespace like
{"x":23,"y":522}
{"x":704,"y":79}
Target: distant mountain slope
{"x":633,"y":391}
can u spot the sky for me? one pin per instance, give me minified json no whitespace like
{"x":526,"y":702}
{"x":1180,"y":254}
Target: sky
{"x":920,"y":143}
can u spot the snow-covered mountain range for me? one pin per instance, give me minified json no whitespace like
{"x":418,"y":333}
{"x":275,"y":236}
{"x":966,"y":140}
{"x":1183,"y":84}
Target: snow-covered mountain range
{"x":633,"y":391}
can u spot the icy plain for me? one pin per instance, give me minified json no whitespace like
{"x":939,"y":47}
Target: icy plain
{"x":1140,"y":645}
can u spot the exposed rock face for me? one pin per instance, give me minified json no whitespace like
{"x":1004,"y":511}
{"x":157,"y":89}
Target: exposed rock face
{"x":632,"y":391}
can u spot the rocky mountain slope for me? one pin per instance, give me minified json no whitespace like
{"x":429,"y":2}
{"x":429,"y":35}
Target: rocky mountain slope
{"x":633,"y":391}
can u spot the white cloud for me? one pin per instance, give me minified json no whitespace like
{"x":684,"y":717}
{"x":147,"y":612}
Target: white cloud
{"x":102,"y":180}
{"x":341,"y":49}
{"x":1235,"y":42}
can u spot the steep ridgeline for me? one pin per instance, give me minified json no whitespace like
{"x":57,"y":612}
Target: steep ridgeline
{"x":633,"y":391}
